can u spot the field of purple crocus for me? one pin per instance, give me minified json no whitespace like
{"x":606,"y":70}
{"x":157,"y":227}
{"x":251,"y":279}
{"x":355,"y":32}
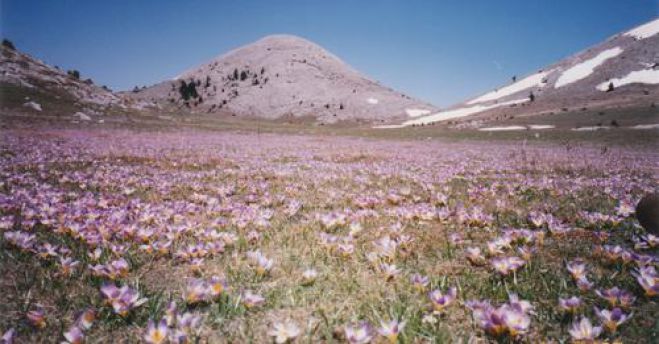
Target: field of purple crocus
{"x":192,"y":236}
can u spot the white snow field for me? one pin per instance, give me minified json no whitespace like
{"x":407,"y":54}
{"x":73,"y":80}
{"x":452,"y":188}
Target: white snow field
{"x":519,"y":127}
{"x":644,"y":31}
{"x":389,"y":126}
{"x":585,"y":68}
{"x":646,"y":126}
{"x":460,"y":112}
{"x":590,"y":128}
{"x":508,"y":128}
{"x":541,"y":126}
{"x":643,"y":76}
{"x":417,"y":112}
{"x":372,"y":101}
{"x":535,"y":80}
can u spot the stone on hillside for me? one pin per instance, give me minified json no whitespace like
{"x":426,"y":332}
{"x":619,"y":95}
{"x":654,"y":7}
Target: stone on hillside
{"x":82,"y":116}
{"x":33,"y":105}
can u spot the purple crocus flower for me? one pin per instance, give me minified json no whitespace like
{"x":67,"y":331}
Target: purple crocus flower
{"x":583,"y":331}
{"x":611,"y":319}
{"x":648,"y":279}
{"x":74,"y":335}
{"x":506,"y":265}
{"x":420,"y":282}
{"x":440,"y":301}
{"x":156,"y":333}
{"x":361,"y":333}
{"x":617,"y":297}
{"x":570,"y":305}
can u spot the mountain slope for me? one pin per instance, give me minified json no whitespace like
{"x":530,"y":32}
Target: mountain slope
{"x":22,"y":70}
{"x":622,"y":71}
{"x":29,"y":87}
{"x":282,"y":76}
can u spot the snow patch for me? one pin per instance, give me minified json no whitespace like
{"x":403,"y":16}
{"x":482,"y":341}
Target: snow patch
{"x":508,"y":128}
{"x":417,"y":112}
{"x":590,"y":128}
{"x":585,"y":68}
{"x":33,"y":105}
{"x":460,"y":112}
{"x":644,"y":76}
{"x":646,"y":126}
{"x":541,"y":126}
{"x":535,"y":80}
{"x":372,"y":101}
{"x":519,"y":127}
{"x":644,"y":31}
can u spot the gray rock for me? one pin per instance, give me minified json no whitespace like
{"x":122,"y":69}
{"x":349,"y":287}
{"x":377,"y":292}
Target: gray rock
{"x":33,"y":105}
{"x":647,"y":213}
{"x":83,"y":116}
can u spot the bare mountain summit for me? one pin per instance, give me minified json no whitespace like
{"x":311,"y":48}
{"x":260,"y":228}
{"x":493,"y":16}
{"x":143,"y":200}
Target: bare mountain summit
{"x":283,"y":76}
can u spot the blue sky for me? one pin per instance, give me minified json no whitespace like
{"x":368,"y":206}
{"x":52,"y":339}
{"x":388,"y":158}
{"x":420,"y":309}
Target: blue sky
{"x":439,"y":51}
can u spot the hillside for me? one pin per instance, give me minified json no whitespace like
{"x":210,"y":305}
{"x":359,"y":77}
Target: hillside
{"x":621,"y":72}
{"x":33,"y":86}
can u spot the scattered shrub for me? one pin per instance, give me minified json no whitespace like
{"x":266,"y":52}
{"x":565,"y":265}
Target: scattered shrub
{"x":8,"y":44}
{"x":74,"y":74}
{"x":610,"y":88}
{"x":188,"y":90}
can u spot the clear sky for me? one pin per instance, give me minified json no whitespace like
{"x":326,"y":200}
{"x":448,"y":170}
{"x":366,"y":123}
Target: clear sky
{"x":439,"y":51}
